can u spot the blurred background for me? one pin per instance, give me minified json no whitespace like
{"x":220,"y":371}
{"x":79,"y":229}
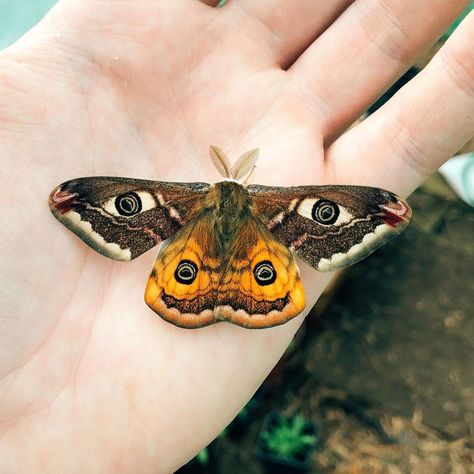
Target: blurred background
{"x":369,"y":385}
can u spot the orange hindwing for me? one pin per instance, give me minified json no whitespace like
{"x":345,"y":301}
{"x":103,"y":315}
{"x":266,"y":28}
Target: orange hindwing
{"x":257,"y":285}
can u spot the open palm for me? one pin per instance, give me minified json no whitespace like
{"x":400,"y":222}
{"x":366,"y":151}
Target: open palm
{"x":90,"y":379}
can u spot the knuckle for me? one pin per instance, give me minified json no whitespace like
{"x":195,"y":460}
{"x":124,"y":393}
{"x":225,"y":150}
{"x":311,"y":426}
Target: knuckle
{"x":384,"y":28}
{"x":458,"y":61}
{"x":409,"y":148}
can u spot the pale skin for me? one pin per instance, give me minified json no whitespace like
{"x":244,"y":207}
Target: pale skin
{"x":90,"y":379}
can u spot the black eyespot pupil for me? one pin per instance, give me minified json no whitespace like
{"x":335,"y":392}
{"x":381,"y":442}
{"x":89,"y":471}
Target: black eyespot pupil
{"x":325,"y":212}
{"x":264,"y":273}
{"x":128,"y":204}
{"x":186,"y":272}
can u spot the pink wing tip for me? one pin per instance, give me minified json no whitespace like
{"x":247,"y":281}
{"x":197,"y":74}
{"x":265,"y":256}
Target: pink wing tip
{"x":396,"y":212}
{"x":62,"y":201}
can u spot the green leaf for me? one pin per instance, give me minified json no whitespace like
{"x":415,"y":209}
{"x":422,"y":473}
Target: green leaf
{"x":288,"y":438}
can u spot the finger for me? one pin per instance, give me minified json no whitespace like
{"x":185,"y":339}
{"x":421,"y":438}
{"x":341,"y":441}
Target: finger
{"x":369,"y":46}
{"x":287,"y":27}
{"x":424,"y":124}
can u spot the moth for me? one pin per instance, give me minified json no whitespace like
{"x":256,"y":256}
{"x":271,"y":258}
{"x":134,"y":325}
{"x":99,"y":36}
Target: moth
{"x":228,"y":251}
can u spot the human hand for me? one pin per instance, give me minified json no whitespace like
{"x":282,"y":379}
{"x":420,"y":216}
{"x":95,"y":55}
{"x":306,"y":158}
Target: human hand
{"x":91,"y":379}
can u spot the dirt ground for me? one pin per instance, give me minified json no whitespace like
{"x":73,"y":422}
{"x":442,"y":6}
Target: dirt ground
{"x":387,"y":372}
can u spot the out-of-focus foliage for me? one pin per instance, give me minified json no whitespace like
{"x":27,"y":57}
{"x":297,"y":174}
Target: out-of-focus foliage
{"x":456,"y":23}
{"x":288,"y":439}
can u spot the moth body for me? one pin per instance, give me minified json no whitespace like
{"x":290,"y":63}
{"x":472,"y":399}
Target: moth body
{"x":228,"y":206}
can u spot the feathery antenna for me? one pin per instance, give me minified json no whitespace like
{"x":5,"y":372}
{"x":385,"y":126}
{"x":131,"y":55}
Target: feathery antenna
{"x":220,"y":160}
{"x":244,"y":165}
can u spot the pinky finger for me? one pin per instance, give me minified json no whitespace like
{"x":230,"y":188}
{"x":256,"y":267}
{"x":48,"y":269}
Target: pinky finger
{"x":424,"y":124}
